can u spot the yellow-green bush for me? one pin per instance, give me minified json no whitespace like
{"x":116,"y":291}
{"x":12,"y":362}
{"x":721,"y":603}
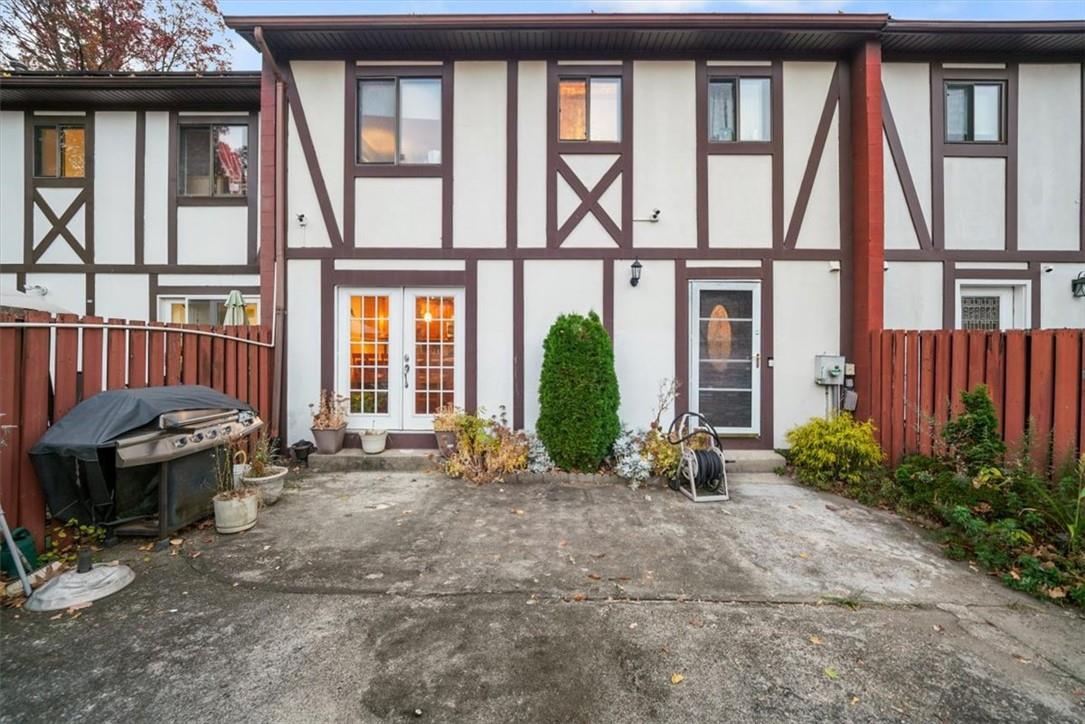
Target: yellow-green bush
{"x":824,"y":452}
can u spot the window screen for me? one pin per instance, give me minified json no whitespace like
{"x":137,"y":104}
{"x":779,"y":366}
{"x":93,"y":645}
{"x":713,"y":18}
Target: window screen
{"x":213,"y":161}
{"x":973,"y":112}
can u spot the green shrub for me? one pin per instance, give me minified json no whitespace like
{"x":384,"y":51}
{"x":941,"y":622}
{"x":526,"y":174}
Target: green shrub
{"x":824,"y":452}
{"x":972,"y":436}
{"x":578,"y":393}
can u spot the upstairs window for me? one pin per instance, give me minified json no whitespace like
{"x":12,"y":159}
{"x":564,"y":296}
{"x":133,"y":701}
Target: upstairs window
{"x":214,"y":161}
{"x":399,"y":121}
{"x":590,"y":109}
{"x":59,"y":151}
{"x":739,"y":109}
{"x":974,"y":112}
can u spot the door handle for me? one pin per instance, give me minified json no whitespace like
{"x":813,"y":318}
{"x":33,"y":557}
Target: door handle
{"x":757,"y":361}
{"x":406,"y":375}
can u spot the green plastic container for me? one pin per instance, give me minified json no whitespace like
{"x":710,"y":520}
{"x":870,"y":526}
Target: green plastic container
{"x":24,"y":542}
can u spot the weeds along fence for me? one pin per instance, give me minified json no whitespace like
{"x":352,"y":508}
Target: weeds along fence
{"x":50,"y":364}
{"x":1035,"y":379}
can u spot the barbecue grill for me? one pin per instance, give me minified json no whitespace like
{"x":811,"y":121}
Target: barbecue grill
{"x":140,"y":461}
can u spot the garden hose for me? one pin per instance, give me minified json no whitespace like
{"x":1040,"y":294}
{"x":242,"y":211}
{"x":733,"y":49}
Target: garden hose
{"x":707,"y":465}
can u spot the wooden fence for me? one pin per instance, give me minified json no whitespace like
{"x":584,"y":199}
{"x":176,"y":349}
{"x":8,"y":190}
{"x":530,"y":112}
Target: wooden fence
{"x":48,"y":365}
{"x":1035,"y":378}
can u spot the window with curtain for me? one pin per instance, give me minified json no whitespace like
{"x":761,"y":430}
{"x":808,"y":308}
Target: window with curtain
{"x":973,"y":111}
{"x":590,"y":109}
{"x":399,"y":121}
{"x":739,"y":109}
{"x":59,"y":151}
{"x":213,"y":160}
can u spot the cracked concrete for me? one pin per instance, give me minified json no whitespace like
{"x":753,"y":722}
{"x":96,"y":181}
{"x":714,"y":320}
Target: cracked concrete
{"x":368,"y":596}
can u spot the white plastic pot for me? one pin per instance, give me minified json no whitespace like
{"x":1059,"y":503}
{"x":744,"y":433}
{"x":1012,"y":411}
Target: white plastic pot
{"x":236,"y":513}
{"x":270,"y":486}
{"x":374,"y":442}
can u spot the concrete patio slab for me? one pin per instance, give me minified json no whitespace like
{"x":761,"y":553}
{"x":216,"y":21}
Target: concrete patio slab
{"x":371,"y":597}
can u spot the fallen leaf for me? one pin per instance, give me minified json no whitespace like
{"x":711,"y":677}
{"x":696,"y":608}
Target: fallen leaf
{"x":517,"y":511}
{"x":1014,"y":574}
{"x":197,"y":554}
{"x":804,"y":555}
{"x":1057,"y":592}
{"x":81,"y":604}
{"x":854,"y":700}
{"x":696,"y":623}
{"x":176,"y":541}
{"x":1022,"y":659}
{"x":938,"y":628}
{"x":832,"y":673}
{"x":633,"y":625}
{"x":578,"y":597}
{"x":562,"y":543}
{"x":677,"y":678}
{"x":594,"y":576}
{"x":815,"y":640}
{"x":59,"y":615}
{"x":147,"y":547}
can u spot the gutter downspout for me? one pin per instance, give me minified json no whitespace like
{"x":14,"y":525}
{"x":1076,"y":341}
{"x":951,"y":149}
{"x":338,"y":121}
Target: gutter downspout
{"x":278,"y":412}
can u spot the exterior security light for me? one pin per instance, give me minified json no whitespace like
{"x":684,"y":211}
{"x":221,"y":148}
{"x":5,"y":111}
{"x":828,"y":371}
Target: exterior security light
{"x":634,"y":273}
{"x":1077,"y":285}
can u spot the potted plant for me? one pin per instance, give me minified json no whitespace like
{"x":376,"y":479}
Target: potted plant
{"x":373,"y":440}
{"x":329,"y":422}
{"x":445,"y":424}
{"x":264,"y":472}
{"x":235,"y":504}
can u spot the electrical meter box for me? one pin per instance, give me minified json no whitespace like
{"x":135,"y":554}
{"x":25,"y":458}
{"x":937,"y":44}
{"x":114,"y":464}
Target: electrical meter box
{"x":829,"y":369}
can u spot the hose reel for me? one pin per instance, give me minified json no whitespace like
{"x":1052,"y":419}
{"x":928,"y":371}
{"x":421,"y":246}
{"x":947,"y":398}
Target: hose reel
{"x":702,"y":472}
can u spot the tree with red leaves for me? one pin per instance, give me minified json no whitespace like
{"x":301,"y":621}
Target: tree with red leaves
{"x":123,"y":35}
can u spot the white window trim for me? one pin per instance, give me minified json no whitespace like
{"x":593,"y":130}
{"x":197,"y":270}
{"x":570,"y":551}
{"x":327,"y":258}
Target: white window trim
{"x":1022,"y":298}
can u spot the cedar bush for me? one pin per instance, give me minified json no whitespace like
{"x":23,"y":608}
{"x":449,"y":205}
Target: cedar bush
{"x":578,"y":393}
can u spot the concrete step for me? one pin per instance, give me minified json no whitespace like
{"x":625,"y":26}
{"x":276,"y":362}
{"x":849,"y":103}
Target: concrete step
{"x":352,"y":459}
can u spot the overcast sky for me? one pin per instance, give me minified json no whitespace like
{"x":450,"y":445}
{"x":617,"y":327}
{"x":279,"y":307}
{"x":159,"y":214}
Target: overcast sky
{"x":245,"y":58}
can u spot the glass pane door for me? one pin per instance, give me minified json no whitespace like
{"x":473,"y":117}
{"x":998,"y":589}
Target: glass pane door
{"x":369,"y":350}
{"x":725,"y":354}
{"x":434,"y":354}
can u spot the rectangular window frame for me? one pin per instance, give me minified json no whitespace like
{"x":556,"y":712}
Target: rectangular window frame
{"x":736,"y":82}
{"x":1020,"y":293}
{"x":167,"y":297}
{"x":352,"y":128}
{"x":59,"y":126}
{"x":211,"y":199}
{"x":1003,"y":116}
{"x":398,"y":79}
{"x":615,"y":74}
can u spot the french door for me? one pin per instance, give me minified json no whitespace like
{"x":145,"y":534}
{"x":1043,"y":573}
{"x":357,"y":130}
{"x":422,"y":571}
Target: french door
{"x":725,"y":354}
{"x":400,"y":355}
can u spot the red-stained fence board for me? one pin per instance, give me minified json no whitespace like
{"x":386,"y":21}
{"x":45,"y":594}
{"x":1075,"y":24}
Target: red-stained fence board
{"x":190,"y":360}
{"x":231,"y":362}
{"x":1015,"y":389}
{"x":203,"y":375}
{"x":264,"y":383}
{"x":35,"y":414}
{"x":218,"y":360}
{"x":11,"y":356}
{"x":875,"y":387}
{"x":926,"y":391}
{"x":92,"y":359}
{"x":977,"y":358}
{"x":958,"y":380}
{"x":1067,"y":379}
{"x":137,"y":356}
{"x":911,"y":403}
{"x":254,"y":371}
{"x":156,"y":357}
{"x":896,"y":440}
{"x":65,"y":367}
{"x":173,"y":357}
{"x":242,"y":367}
{"x":942,"y":380}
{"x":116,"y":356}
{"x":1081,"y":408}
{"x":886,"y":383}
{"x":1041,"y":376}
{"x":992,"y":376}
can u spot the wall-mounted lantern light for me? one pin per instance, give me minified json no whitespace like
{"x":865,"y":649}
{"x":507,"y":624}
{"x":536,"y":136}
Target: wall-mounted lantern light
{"x":634,"y":272}
{"x":1077,"y":285}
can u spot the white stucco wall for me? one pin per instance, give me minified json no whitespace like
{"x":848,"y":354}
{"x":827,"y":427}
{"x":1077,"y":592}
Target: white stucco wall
{"x":320,"y":85}
{"x":495,"y":350}
{"x":303,"y":346}
{"x":301,"y":195}
{"x":1049,"y":156}
{"x":975,"y":206}
{"x":740,"y":201}
{"x":821,"y":224}
{"x":797,"y":337}
{"x":156,"y":188}
{"x":1058,"y":308}
{"x":531,"y":154}
{"x":665,"y":153}
{"x":65,"y":290}
{"x":644,"y":338}
{"x":479,"y":133}
{"x":806,"y":85}
{"x":553,"y":288}
{"x":212,"y":234}
{"x":913,"y":295}
{"x":907,"y":88}
{"x":397,"y":212}
{"x":12,"y":180}
{"x":114,"y":187}
{"x":123,"y":296}
{"x":899,"y":229}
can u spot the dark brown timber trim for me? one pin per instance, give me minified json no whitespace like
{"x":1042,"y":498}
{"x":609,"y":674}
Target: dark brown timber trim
{"x":846,"y":190}
{"x":512,"y":135}
{"x":608,"y":296}
{"x":252,"y":191}
{"x":907,"y":184}
{"x":813,"y":161}
{"x":171,"y":190}
{"x":518,"y":344}
{"x":32,"y":196}
{"x":470,"y":316}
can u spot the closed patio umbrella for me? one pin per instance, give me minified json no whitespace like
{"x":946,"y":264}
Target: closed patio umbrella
{"x":235,"y":309}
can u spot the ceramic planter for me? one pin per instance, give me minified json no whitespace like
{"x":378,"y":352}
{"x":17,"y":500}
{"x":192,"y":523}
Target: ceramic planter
{"x":236,"y":513}
{"x":329,"y":442}
{"x":446,"y":442}
{"x":301,"y":450}
{"x":269,"y":486}
{"x":373,"y":442}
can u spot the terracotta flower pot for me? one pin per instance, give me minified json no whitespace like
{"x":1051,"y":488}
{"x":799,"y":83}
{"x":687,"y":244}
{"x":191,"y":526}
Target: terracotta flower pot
{"x":329,"y":442}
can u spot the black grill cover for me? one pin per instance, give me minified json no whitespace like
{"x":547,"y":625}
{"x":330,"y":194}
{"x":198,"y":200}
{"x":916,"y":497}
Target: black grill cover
{"x":76,"y":480}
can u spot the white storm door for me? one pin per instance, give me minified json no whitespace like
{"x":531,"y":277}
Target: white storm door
{"x":433,"y":353}
{"x":369,"y":370}
{"x":725,"y":354}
